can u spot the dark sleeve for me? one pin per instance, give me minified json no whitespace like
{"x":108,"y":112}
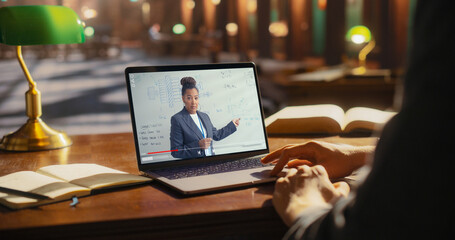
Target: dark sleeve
{"x":224,"y":132}
{"x":310,"y":216}
{"x":177,"y":138}
{"x":410,"y":191}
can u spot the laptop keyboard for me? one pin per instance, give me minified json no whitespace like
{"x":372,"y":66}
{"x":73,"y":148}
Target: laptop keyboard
{"x":210,"y":168}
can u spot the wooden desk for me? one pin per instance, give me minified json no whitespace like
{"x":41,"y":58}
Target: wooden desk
{"x":151,"y":211}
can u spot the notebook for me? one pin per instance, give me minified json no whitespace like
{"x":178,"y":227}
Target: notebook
{"x":223,"y":108}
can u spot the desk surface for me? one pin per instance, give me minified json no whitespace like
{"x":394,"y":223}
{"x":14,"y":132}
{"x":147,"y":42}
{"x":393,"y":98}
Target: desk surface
{"x":146,"y":211}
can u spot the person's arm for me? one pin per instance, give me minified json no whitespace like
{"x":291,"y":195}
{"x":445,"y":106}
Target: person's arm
{"x":409,"y":191}
{"x":219,"y":134}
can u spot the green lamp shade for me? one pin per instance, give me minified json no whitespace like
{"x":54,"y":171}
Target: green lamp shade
{"x":359,"y":34}
{"x":40,"y":24}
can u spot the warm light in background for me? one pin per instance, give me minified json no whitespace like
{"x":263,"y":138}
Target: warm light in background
{"x":178,"y":28}
{"x":278,"y":29}
{"x":322,"y":4}
{"x":216,"y":2}
{"x":89,"y":13}
{"x":146,"y":12}
{"x":252,"y":6}
{"x":358,"y":34}
{"x":232,"y":29}
{"x":190,"y":4}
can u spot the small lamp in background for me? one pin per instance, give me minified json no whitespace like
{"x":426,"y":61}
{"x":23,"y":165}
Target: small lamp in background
{"x":37,"y":25}
{"x":360,"y":35}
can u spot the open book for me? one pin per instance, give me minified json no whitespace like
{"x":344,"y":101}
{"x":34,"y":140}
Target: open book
{"x":327,"y":119}
{"x":62,"y":182}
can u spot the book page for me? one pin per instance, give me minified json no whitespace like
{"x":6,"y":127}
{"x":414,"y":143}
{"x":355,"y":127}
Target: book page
{"x":366,"y":118}
{"x":29,"y":181}
{"x":327,"y":75}
{"x":306,"y":119}
{"x":90,"y":175}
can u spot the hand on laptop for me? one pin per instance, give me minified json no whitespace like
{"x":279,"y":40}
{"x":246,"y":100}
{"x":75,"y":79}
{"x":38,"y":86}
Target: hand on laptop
{"x":205,"y":143}
{"x":338,"y":160}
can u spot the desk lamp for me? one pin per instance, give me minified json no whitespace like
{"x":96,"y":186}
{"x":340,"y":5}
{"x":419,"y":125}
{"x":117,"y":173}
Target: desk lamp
{"x":35,"y":25}
{"x":360,"y":35}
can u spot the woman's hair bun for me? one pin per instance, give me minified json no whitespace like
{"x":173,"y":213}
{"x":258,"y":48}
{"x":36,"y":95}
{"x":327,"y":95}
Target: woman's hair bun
{"x":188,"y":81}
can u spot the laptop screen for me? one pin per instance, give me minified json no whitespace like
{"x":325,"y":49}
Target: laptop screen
{"x":195,"y":111}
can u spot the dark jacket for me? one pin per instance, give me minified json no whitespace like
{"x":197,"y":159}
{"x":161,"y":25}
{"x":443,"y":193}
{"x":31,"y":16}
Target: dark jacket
{"x":185,"y":135}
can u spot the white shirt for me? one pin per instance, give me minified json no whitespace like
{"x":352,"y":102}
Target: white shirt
{"x":198,"y":122}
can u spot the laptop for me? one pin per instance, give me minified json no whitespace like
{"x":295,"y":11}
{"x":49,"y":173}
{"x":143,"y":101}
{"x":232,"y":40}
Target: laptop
{"x":167,"y":128}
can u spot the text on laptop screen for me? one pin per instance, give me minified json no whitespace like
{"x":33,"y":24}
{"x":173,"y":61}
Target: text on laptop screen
{"x":227,"y":109}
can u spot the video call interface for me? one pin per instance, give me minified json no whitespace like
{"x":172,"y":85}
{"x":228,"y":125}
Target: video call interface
{"x":224,"y":95}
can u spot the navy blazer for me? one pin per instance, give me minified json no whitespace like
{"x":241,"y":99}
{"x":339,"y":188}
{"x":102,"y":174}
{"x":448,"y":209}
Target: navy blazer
{"x":185,"y":134}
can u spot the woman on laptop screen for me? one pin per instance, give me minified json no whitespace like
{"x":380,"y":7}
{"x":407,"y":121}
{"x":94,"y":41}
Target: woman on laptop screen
{"x":192,"y":131}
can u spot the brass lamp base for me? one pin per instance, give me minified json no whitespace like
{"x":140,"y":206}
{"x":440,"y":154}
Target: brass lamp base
{"x":35,"y":135}
{"x":369,"y":73}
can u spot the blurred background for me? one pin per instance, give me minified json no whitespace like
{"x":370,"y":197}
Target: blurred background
{"x":83,"y":86}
